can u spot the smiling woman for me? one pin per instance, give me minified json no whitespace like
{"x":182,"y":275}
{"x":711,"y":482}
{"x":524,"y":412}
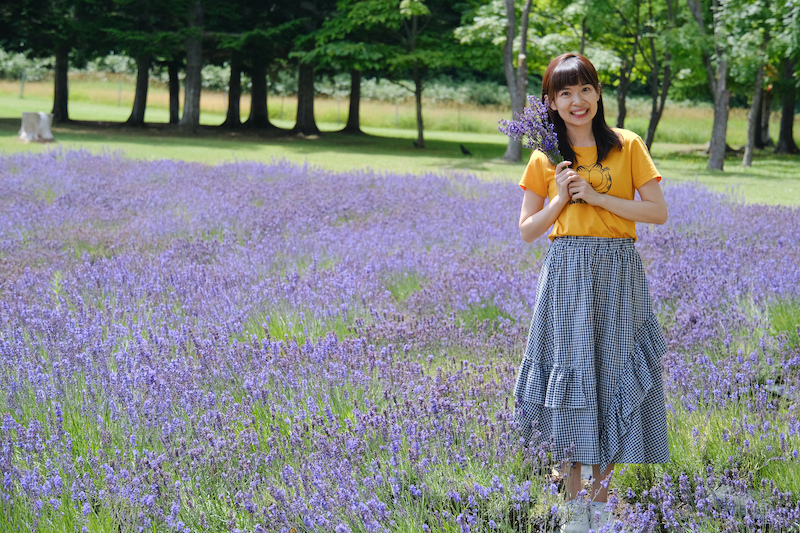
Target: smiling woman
{"x":590,"y":382}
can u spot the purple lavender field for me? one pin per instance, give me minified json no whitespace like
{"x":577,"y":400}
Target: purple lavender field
{"x":272,"y":347}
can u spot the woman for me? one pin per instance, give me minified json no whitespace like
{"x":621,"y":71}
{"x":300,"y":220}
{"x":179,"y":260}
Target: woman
{"x":590,"y":382}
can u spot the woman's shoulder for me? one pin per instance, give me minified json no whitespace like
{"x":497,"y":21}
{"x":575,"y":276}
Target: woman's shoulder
{"x":538,"y":156}
{"x":627,"y":137}
{"x":539,"y":161}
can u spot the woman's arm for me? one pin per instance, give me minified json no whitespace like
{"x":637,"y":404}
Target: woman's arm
{"x":652,"y":208}
{"x":535,"y":217}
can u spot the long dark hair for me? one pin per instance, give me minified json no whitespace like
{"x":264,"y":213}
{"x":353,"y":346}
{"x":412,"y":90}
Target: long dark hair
{"x":574,"y":69}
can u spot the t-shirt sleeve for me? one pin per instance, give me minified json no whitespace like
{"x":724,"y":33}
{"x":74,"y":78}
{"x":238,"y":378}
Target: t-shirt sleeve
{"x":534,"y":176}
{"x":642,"y":167}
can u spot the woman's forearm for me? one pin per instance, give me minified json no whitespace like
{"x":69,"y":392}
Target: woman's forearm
{"x":533,"y":226}
{"x":652,"y":212}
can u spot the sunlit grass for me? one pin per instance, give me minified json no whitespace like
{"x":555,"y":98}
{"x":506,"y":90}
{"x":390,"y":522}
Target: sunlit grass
{"x":678,"y":151}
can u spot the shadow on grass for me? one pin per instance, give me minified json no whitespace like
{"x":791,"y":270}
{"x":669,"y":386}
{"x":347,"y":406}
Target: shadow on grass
{"x":773,"y":178}
{"x":247,"y":139}
{"x":767,"y":165}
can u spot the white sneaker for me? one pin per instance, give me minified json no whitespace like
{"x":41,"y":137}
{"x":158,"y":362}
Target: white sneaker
{"x":575,"y":517}
{"x":601,"y":516}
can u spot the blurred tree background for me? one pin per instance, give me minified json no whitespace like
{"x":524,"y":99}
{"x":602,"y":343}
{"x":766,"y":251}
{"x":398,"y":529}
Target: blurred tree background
{"x":741,"y":53}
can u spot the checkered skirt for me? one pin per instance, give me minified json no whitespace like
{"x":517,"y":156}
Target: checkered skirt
{"x":590,"y":384}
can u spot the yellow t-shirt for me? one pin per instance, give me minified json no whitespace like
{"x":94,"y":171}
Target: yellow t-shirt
{"x":620,"y":174}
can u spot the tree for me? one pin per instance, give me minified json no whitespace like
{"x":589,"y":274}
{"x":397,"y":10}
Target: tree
{"x":251,"y":36}
{"x":343,"y":44}
{"x":715,"y":59}
{"x":174,"y":66}
{"x":492,"y":24}
{"x":305,"y":123}
{"x":233,"y":118}
{"x":516,"y":80}
{"x":752,"y":32}
{"x":786,"y":144}
{"x":763,"y":139}
{"x":789,"y":41}
{"x":657,"y":54}
{"x":417,"y":38}
{"x":64,"y":28}
{"x":144,"y":30}
{"x":313,"y":15}
{"x":194,"y":64}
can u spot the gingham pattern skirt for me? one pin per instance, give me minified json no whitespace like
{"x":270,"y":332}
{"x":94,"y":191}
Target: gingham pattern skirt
{"x":590,"y":385}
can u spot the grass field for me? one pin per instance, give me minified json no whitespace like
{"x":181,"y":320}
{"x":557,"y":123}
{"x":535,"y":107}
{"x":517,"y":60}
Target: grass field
{"x":678,"y":150}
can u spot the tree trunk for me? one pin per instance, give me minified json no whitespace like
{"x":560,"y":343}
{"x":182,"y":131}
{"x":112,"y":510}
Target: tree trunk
{"x":173,"y":68}
{"x":754,"y":116}
{"x":659,"y":86}
{"x":716,"y":157}
{"x":583,"y":36}
{"x":658,"y":100}
{"x":786,"y":144}
{"x":753,"y":123}
{"x":353,"y":125}
{"x":140,"y":100}
{"x":194,"y":64}
{"x":259,"y":112}
{"x":718,"y":81}
{"x":622,"y":88}
{"x":306,"y":124}
{"x":763,"y":140}
{"x":61,"y":86}
{"x":417,"y":77}
{"x":233,"y":118}
{"x":517,"y":82}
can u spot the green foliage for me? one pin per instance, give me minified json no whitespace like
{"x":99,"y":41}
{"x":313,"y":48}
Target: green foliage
{"x":14,"y":64}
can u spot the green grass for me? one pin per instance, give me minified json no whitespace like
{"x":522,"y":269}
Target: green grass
{"x":785,"y":319}
{"x":678,"y":150}
{"x":403,"y":285}
{"x":481,"y":315}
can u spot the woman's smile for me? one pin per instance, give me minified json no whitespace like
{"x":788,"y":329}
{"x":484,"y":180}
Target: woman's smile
{"x":576,"y":104}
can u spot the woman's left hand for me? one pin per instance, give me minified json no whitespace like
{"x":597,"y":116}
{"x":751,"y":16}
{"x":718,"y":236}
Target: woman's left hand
{"x":583,"y":190}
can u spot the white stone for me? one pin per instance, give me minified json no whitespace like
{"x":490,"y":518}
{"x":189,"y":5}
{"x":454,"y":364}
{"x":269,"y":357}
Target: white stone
{"x":36,"y":127}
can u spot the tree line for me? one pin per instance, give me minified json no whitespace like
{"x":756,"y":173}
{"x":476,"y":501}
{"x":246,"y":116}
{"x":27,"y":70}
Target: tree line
{"x":742,"y":49}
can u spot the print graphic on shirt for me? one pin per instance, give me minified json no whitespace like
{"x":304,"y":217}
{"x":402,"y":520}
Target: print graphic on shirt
{"x":598,"y":176}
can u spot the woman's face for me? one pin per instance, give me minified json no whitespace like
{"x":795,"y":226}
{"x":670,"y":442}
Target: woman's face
{"x":576,"y":104}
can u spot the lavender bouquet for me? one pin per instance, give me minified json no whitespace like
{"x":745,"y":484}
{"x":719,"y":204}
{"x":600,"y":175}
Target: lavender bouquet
{"x":535,"y":129}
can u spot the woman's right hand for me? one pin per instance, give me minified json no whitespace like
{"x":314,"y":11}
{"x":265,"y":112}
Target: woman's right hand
{"x":535,"y":217}
{"x":564,"y":176}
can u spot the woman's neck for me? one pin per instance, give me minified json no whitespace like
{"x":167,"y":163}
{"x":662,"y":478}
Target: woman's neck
{"x":581,"y":137}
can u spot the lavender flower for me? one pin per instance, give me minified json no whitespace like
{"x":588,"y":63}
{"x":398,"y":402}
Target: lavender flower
{"x":534,"y":127}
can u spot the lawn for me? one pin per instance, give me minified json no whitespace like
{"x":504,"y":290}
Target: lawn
{"x":678,"y":150}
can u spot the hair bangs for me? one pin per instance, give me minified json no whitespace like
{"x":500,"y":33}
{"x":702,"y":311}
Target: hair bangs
{"x":572,"y":71}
